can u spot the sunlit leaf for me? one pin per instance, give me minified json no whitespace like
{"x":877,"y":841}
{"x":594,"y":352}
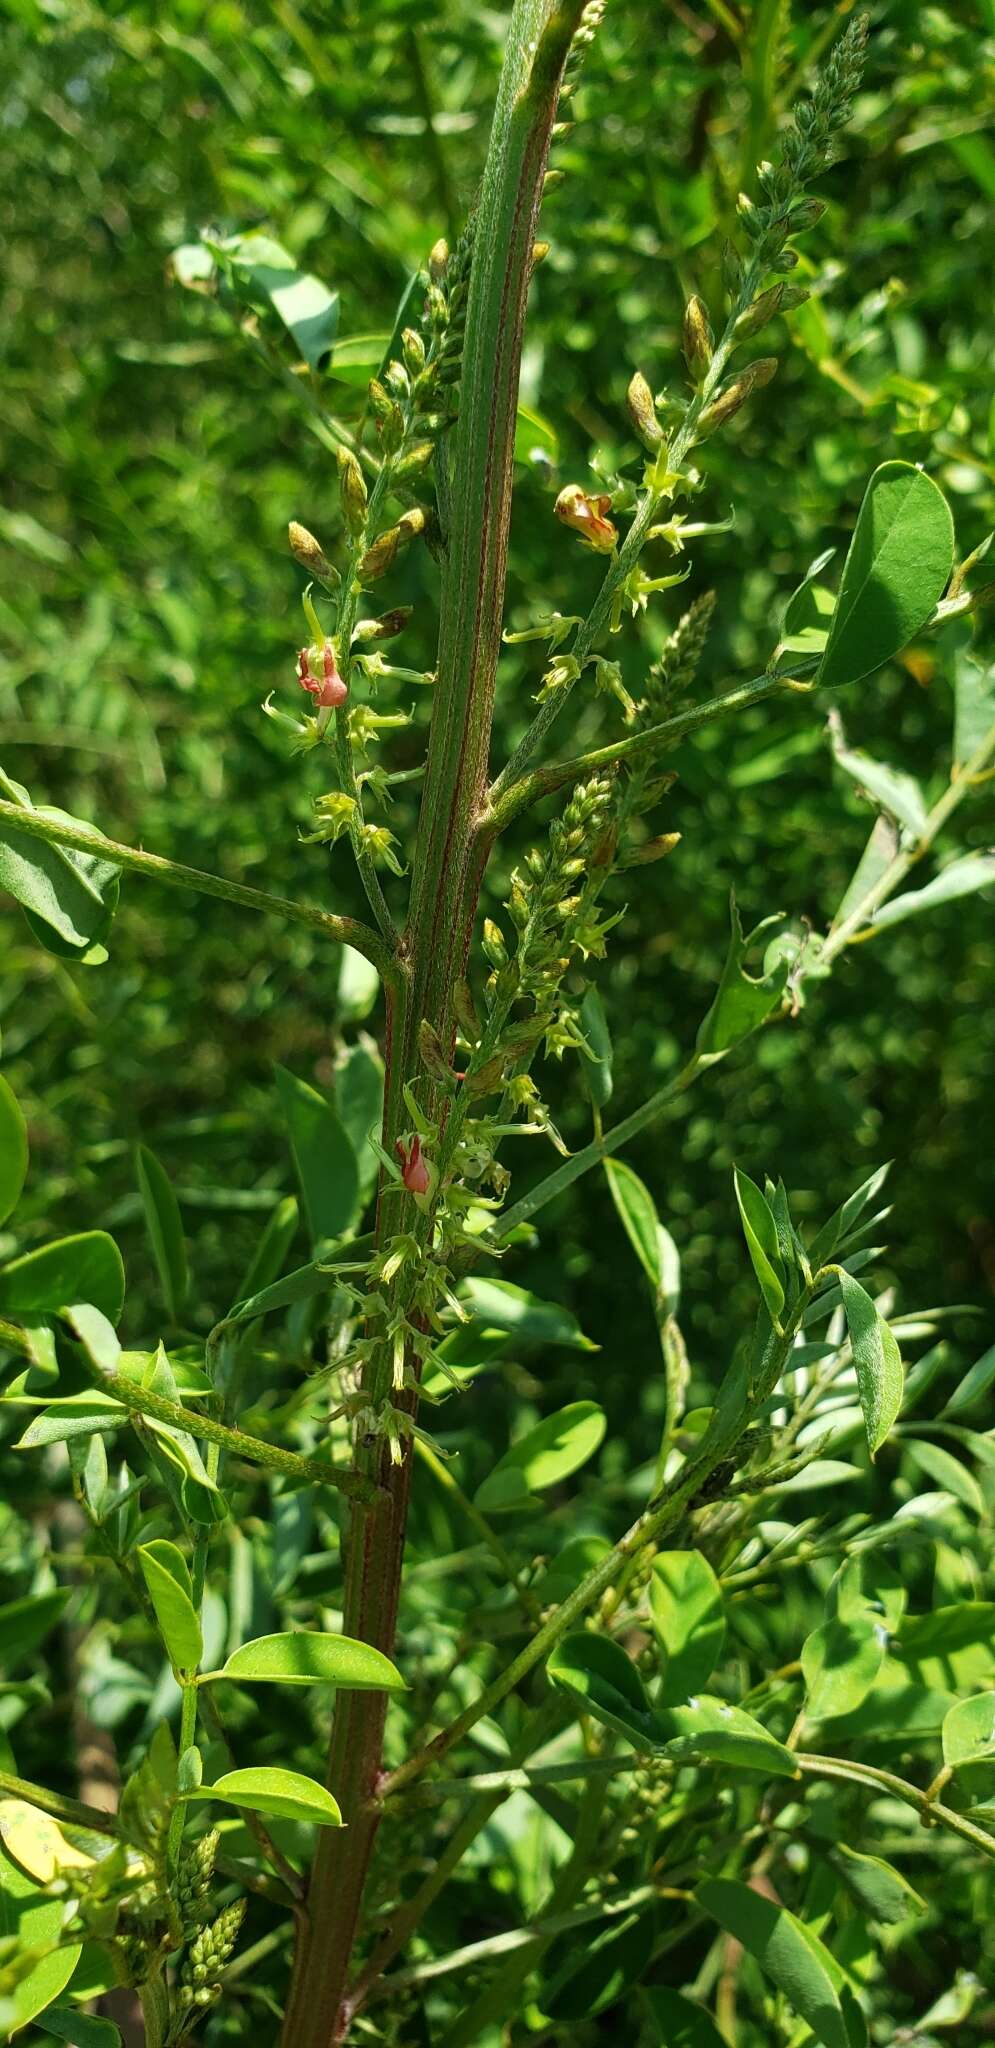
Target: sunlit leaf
{"x":877,"y":1359}
{"x":687,"y":1613}
{"x":897,"y":568}
{"x":550,"y":1452}
{"x":791,"y":1956}
{"x":307,"y":1657}
{"x":167,"y":1576}
{"x":165,"y":1228}
{"x":13,"y":1149}
{"x":287,"y":1794}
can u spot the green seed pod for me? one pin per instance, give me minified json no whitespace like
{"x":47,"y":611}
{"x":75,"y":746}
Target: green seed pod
{"x":353,"y":490}
{"x":642,"y":412}
{"x":698,"y":339}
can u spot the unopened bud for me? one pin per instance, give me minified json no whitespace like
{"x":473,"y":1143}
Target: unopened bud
{"x":642,"y":412}
{"x":550,"y":182}
{"x":414,"y":350}
{"x":587,"y":516}
{"x":724,"y":408}
{"x":762,"y":310}
{"x":794,"y":295}
{"x":396,"y":379}
{"x":493,"y":942}
{"x":650,"y":850}
{"x":384,"y":628}
{"x":353,"y":490}
{"x":388,"y":545}
{"x":698,"y":340}
{"x":438,"y":260}
{"x":540,"y":251}
{"x":806,"y":214}
{"x":311,"y":556}
{"x":433,"y":1058}
{"x":388,"y":416}
{"x":415,"y":460}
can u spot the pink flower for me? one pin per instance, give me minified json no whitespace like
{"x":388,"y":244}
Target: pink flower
{"x":328,"y":689}
{"x":414,"y":1171}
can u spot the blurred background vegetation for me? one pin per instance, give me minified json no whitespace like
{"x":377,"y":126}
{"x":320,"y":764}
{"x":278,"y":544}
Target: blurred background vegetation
{"x":149,"y":604}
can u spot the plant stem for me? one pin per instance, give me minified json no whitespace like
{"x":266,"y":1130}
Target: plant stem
{"x":346,"y":931}
{"x":434,"y":947}
{"x":144,"y":1401}
{"x":73,"y":1812}
{"x":930,"y":1810}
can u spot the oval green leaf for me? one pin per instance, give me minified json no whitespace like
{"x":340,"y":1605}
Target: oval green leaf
{"x":686,"y":1606}
{"x":711,"y":1731}
{"x":36,"y":1920}
{"x":969,"y":1732}
{"x":547,"y":1454}
{"x":166,"y":1574}
{"x":323,"y":1155}
{"x":895,"y":573}
{"x":599,"y":1675}
{"x":84,"y":1268}
{"x":306,"y":1657}
{"x":285,"y":1793}
{"x":841,"y":1661}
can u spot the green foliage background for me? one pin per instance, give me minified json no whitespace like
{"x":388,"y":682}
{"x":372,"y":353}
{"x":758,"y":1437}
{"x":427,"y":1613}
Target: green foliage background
{"x":149,"y":604}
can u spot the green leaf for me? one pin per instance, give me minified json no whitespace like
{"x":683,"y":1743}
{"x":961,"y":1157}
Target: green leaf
{"x":78,"y":2028}
{"x":680,"y":2023}
{"x":358,"y":358}
{"x":307,"y":1657}
{"x":581,"y":1979}
{"x":962,"y":877}
{"x":268,"y":1258}
{"x":652,"y":1243}
{"x":287,"y":1794}
{"x":841,"y":1661}
{"x":77,"y":1415}
{"x":597,"y":1068}
{"x":897,"y":568}
{"x":798,"y":614}
{"x":973,"y":1386}
{"x":167,"y":1576}
{"x":28,"y":1914}
{"x":760,"y":1232}
{"x":359,"y":985}
{"x":544,"y":1456}
{"x":969,"y":1732}
{"x":84,"y":1268}
{"x":974,"y":702}
{"x":946,"y":1471}
{"x":68,"y":898}
{"x":791,"y":1956}
{"x":844,"y":1220}
{"x":880,"y":1891}
{"x":596,"y":1672}
{"x":499,"y":1305}
{"x":96,"y":1334}
{"x":688,"y":1617}
{"x":165,"y":1228}
{"x":359,"y":1079}
{"x":877,"y":1360}
{"x":879,"y":852}
{"x":323,"y":1155}
{"x":13,"y":1149}
{"x":889,"y":788}
{"x":264,"y":271}
{"x":711,"y":1731}
{"x":535,"y":438}
{"x":25,"y":1623}
{"x":742,"y":1000}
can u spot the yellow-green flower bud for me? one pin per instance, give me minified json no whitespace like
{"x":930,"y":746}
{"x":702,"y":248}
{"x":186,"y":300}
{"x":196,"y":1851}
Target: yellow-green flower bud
{"x":414,"y":350}
{"x":494,"y":947}
{"x":311,"y":556}
{"x":438,"y":260}
{"x":753,"y":378}
{"x":642,"y":412}
{"x":762,"y":310}
{"x":353,"y":491}
{"x":698,"y":340}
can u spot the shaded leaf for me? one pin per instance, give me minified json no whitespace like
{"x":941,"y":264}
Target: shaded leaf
{"x":597,"y":1067}
{"x":880,"y":1890}
{"x":841,"y":1661}
{"x":165,"y":1228}
{"x":679,"y":2022}
{"x":974,"y":1385}
{"x":974,"y":704}
{"x":760,"y":1232}
{"x":947,"y":1471}
{"x":960,"y":878}
{"x":546,"y":1454}
{"x":688,"y":1617}
{"x":500,"y":1305}
{"x":13,"y":1149}
{"x":323,"y":1155}
{"x":67,"y":2023}
{"x":25,"y":1623}
{"x":791,"y":1956}
{"x":597,"y":1673}
{"x":969,"y":1732}
{"x":581,"y":1979}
